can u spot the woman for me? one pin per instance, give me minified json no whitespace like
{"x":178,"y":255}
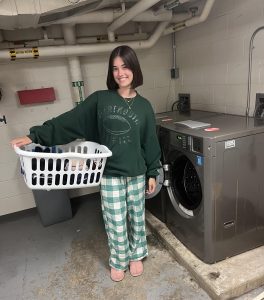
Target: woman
{"x":124,"y":121}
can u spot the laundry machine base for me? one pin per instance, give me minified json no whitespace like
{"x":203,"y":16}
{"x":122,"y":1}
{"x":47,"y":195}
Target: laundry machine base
{"x":204,"y":245}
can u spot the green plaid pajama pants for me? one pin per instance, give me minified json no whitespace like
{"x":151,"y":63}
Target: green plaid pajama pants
{"x":123,"y":207}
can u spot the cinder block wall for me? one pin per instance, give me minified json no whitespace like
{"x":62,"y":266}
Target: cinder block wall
{"x":213,"y":57}
{"x":30,"y":74}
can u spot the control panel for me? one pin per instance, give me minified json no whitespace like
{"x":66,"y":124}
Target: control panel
{"x":186,"y":142}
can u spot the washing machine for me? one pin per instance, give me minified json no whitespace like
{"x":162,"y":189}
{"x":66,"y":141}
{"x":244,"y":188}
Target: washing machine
{"x":156,"y":203}
{"x":213,"y":178}
{"x":170,"y":117}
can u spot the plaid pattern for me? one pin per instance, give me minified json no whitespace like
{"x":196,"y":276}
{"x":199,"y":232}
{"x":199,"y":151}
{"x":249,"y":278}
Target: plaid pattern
{"x":123,"y":207}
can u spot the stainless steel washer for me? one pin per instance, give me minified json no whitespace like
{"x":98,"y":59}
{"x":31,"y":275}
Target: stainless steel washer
{"x":214,"y":203}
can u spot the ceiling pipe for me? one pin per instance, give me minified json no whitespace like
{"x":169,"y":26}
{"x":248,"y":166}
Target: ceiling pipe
{"x":84,"y":50}
{"x":149,"y":16}
{"x":169,"y":5}
{"x":140,"y":7}
{"x":108,"y":16}
{"x":204,"y":15}
{"x":192,"y":21}
{"x":104,"y":16}
{"x":69,"y":34}
{"x":77,"y":82}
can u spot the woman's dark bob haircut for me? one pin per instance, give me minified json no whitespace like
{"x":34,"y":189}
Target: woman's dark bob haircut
{"x":131,"y":61}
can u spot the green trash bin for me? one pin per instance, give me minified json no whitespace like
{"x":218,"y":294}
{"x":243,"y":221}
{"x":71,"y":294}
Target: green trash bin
{"x":53,"y":206}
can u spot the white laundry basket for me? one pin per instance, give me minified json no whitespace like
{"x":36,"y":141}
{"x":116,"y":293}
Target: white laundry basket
{"x":75,"y":165}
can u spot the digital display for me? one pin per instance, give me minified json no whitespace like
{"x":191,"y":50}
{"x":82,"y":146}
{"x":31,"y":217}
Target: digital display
{"x":179,"y":140}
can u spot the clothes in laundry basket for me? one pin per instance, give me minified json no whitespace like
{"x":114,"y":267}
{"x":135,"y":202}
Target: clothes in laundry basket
{"x":63,"y":165}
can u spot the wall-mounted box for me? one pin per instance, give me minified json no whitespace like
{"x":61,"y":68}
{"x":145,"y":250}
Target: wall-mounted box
{"x":36,"y":96}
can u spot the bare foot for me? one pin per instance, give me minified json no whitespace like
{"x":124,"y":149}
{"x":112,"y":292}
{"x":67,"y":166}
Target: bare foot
{"x":117,"y":275}
{"x":136,"y":268}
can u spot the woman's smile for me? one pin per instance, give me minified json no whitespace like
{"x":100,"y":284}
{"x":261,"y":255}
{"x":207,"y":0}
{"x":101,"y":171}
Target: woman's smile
{"x":123,"y":76}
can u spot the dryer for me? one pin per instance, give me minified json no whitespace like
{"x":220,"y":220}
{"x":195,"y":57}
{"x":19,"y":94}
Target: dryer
{"x":214,"y":200}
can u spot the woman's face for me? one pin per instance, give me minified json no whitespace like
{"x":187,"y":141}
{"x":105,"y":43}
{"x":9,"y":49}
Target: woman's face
{"x":122,"y":75}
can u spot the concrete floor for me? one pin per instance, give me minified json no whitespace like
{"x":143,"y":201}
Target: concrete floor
{"x":69,"y":260}
{"x":226,"y":279}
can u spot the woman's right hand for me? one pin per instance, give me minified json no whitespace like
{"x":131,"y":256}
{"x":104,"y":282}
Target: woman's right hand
{"x":21,"y":141}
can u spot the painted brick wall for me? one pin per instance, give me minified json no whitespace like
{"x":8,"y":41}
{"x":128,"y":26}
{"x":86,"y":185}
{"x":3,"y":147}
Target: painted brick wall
{"x":29,"y":74}
{"x":213,"y":57}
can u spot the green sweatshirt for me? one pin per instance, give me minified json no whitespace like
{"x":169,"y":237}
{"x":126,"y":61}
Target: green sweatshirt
{"x":127,"y":129}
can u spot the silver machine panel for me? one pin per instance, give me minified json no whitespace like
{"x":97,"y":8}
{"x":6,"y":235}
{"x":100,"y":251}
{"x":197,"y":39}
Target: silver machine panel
{"x":214,"y":202}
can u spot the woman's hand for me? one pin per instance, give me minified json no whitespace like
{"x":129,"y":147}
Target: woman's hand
{"x":151,"y":185}
{"x":21,"y":141}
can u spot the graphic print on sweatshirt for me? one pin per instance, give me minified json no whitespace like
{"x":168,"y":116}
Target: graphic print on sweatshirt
{"x":118,"y":122}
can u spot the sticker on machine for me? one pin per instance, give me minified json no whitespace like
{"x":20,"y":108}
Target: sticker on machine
{"x":199,"y":160}
{"x":212,"y":129}
{"x":186,"y":211}
{"x":230,"y":144}
{"x":167,"y":120}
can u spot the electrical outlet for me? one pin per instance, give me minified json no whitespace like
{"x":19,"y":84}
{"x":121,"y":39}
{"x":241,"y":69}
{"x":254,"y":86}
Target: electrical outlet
{"x":184,"y":104}
{"x":175,"y":73}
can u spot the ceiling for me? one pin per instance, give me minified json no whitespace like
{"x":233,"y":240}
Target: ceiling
{"x":19,"y":14}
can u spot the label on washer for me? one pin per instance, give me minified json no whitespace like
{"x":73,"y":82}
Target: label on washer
{"x":186,"y":211}
{"x":230,"y":144}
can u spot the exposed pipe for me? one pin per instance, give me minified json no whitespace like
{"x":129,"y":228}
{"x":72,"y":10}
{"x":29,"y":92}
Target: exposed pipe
{"x":251,"y":47}
{"x":174,"y":50}
{"x":74,"y":65}
{"x":69,"y":34}
{"x":140,"y":7}
{"x":1,"y":36}
{"x":76,"y":79}
{"x":124,"y":38}
{"x":192,"y":21}
{"x":84,"y":50}
{"x":169,"y":5}
{"x":105,"y":16}
{"x":109,"y":15}
{"x":149,"y":16}
{"x":175,"y":27}
{"x":203,"y":16}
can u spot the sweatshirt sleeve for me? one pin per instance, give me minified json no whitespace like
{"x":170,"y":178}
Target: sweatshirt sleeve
{"x":151,"y":146}
{"x":78,"y":123}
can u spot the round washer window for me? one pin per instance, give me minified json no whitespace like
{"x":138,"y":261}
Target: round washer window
{"x":186,"y":183}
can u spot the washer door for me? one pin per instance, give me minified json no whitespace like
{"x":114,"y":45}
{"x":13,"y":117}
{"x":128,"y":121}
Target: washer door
{"x":185,"y":190}
{"x":159,"y":181}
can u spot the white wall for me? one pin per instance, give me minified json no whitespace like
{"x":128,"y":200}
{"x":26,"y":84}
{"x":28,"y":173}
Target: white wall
{"x":213,"y":57}
{"x":31,"y":74}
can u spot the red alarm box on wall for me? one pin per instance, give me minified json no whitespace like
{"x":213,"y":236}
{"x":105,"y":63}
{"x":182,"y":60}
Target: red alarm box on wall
{"x":36,"y":96}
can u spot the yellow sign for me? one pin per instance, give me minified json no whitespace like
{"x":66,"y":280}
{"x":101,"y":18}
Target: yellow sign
{"x":18,"y":54}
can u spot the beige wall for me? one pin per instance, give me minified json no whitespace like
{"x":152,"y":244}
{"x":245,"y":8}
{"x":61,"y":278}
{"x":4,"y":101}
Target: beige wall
{"x":213,"y":57}
{"x":31,"y":74}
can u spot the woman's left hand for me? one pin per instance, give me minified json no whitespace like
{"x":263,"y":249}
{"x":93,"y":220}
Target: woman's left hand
{"x":151,"y":185}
